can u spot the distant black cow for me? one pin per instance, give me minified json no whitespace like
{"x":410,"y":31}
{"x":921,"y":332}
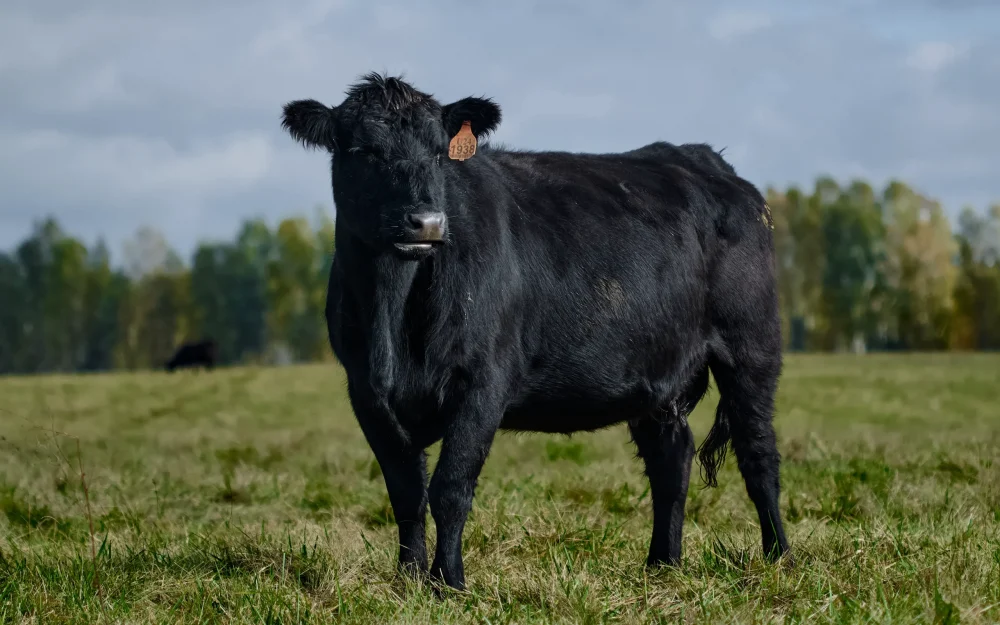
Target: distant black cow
{"x":202,"y":353}
{"x":541,"y":291}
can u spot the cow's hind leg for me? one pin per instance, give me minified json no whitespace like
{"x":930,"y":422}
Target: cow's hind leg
{"x":666,"y":445}
{"x":745,"y":359}
{"x":747,"y":377}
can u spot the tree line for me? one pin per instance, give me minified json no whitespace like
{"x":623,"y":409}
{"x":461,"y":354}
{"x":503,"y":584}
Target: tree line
{"x":857,"y":270}
{"x":860,"y":270}
{"x":64,"y":307}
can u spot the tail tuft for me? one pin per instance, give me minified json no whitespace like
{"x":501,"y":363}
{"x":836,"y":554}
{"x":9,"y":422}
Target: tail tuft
{"x":712,"y":453}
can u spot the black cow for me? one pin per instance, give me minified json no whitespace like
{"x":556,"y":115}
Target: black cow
{"x":546,"y":292}
{"x":202,"y":353}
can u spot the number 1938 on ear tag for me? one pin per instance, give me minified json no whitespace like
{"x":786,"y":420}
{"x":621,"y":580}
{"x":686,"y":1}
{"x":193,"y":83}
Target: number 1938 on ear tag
{"x":463,"y":144}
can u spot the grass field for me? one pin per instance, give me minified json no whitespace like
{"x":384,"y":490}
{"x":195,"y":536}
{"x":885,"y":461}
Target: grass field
{"x":249,"y":495}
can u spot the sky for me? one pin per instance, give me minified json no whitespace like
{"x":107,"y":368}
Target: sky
{"x":117,"y":114}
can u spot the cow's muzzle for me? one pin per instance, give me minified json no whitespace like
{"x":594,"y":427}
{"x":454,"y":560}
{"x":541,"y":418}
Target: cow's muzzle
{"x":424,"y":231}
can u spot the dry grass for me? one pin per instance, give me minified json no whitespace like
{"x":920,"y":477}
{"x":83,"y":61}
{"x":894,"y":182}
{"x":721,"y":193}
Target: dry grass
{"x":249,"y":495}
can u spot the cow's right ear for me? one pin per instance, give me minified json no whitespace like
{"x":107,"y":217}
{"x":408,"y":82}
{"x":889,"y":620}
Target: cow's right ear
{"x":311,"y":123}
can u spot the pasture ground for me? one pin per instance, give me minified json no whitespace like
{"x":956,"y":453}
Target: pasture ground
{"x":249,"y":495}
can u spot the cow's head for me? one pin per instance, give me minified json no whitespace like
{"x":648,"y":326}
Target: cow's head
{"x":389,"y":150}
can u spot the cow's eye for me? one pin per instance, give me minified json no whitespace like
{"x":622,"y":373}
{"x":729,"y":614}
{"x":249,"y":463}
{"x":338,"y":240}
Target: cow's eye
{"x":368,"y":155}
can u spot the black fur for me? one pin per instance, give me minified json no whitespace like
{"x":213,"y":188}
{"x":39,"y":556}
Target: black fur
{"x":571,"y":292}
{"x":202,"y":353}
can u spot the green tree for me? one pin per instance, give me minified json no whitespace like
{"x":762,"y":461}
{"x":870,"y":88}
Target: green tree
{"x":229,"y":296}
{"x":852,"y":278}
{"x":977,"y":289}
{"x":105,"y":293}
{"x":919,"y":268}
{"x":808,"y":260}
{"x":34,"y":256}
{"x":14,"y":315}
{"x":296,"y":289}
{"x":52,"y":269}
{"x":65,"y":304}
{"x":155,"y":311}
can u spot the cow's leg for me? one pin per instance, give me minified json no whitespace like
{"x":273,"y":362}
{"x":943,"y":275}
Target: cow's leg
{"x":745,"y":359}
{"x":405,"y":481}
{"x":666,"y":446}
{"x":747,"y":382}
{"x":404,"y":470}
{"x":464,"y":448}
{"x":405,"y":475}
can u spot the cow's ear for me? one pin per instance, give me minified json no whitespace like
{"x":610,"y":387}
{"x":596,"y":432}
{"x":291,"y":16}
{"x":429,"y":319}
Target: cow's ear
{"x":482,"y":113}
{"x":311,"y":123}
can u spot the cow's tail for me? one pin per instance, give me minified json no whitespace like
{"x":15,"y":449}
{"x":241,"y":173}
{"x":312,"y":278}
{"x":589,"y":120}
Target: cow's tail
{"x":713,"y":450}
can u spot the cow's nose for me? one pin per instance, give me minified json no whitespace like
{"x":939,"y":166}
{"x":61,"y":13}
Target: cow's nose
{"x":426,"y":226}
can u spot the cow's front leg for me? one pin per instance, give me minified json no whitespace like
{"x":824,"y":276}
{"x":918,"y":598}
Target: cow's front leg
{"x":405,"y":475}
{"x":464,"y":448}
{"x":404,"y":469}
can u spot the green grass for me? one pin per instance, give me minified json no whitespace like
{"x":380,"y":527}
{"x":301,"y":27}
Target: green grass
{"x":249,"y":495}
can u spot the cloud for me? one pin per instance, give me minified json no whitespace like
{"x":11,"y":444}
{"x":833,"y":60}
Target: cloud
{"x":933,"y":56}
{"x":133,"y":177}
{"x":132,"y":167}
{"x":730,"y":24}
{"x":117,"y":114}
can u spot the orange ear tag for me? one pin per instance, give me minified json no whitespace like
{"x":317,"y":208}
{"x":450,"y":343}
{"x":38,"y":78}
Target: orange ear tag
{"x":463,"y":144}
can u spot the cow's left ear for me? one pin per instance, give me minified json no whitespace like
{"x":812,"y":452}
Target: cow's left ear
{"x":482,"y":113}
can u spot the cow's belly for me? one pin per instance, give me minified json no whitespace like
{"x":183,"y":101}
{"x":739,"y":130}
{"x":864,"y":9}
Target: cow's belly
{"x":573,"y":391}
{"x":572,"y":415}
{"x":569,"y":403}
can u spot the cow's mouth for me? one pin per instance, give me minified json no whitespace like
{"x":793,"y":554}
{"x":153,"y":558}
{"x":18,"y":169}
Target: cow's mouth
{"x":417,"y":248}
{"x":414,"y":247}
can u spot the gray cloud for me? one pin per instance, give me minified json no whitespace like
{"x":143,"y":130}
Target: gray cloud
{"x":118,"y":114}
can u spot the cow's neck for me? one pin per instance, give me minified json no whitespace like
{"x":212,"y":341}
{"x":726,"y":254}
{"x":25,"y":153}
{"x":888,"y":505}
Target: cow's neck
{"x":392,"y":282}
{"x":381,"y":286}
